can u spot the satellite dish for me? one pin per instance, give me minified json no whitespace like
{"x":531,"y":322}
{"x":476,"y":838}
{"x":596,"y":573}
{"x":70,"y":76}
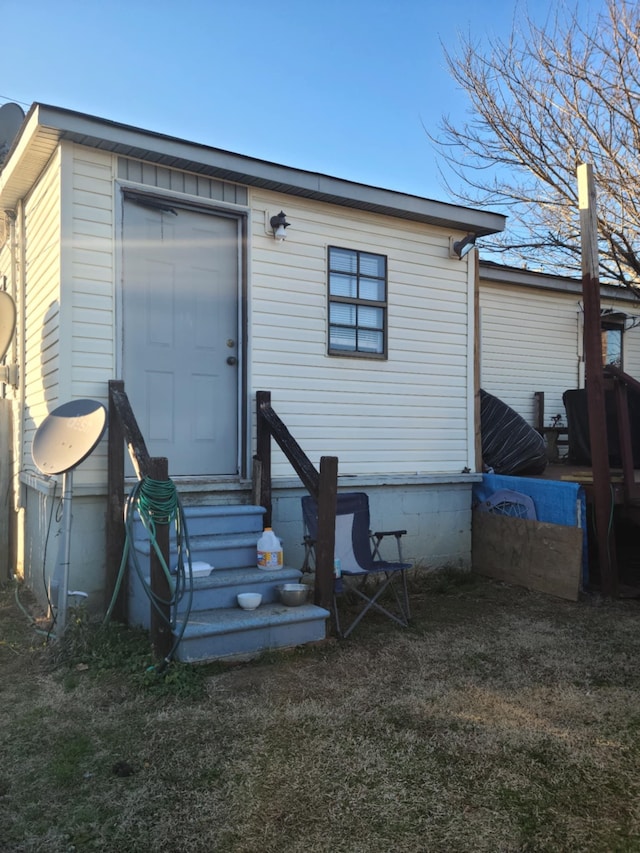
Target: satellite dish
{"x":7,"y":321}
{"x":68,"y":435}
{"x":63,"y":440}
{"x":11,"y":118}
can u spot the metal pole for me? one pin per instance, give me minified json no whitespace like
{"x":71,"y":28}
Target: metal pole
{"x":64,"y":553}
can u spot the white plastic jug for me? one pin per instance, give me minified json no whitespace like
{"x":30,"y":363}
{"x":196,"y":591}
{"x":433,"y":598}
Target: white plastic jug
{"x":270,"y":554}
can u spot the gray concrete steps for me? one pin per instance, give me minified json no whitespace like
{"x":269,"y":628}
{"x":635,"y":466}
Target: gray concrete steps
{"x":232,"y":632}
{"x":226,"y":538}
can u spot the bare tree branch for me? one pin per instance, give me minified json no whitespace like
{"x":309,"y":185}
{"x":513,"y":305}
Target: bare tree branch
{"x":550,"y":97}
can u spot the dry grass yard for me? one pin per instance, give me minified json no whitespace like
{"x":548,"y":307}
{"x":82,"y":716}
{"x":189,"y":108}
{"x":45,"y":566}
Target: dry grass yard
{"x":502,"y":720}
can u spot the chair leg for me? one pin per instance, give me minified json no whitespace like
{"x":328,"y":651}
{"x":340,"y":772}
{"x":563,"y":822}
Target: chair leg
{"x":406,"y":609}
{"x":403,"y":618}
{"x":373,"y":603}
{"x":336,"y":617}
{"x":401,"y":603}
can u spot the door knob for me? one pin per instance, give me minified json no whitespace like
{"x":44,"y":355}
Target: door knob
{"x":232,"y":360}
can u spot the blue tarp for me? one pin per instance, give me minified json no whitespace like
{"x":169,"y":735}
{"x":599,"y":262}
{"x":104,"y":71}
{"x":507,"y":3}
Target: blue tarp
{"x":556,"y":502}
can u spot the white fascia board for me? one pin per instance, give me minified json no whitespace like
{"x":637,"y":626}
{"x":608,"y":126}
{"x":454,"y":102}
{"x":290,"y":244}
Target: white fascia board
{"x":497,"y":274}
{"x":172,"y":152}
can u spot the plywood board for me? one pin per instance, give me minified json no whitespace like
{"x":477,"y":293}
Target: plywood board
{"x":534,"y":554}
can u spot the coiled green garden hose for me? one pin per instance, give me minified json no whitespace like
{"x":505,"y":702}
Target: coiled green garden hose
{"x":158,"y":502}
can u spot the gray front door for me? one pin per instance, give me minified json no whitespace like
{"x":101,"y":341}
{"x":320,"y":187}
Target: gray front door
{"x":180,"y":334}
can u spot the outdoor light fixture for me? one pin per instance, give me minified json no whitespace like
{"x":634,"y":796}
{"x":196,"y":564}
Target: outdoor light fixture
{"x":279,"y":223}
{"x":460,"y":248}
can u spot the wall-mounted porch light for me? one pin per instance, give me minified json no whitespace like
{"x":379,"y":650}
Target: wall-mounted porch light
{"x":459,"y":248}
{"x":279,"y":224}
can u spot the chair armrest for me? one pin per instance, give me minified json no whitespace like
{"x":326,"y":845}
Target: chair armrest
{"x":377,"y":537}
{"x":380,"y":533}
{"x":309,"y":553}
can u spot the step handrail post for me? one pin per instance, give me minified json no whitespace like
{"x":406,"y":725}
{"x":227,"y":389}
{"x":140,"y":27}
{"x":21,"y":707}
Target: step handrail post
{"x":263,"y":452}
{"x":325,"y":546}
{"x":161,"y":639}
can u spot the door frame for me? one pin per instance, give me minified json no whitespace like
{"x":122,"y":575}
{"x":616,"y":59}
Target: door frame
{"x":233,"y":211}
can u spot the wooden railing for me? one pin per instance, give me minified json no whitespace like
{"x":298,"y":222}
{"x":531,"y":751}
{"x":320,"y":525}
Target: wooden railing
{"x":124,"y":429}
{"x":322,"y":485}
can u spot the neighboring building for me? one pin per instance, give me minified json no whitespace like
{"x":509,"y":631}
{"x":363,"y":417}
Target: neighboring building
{"x":531,"y":333}
{"x":139,"y":256}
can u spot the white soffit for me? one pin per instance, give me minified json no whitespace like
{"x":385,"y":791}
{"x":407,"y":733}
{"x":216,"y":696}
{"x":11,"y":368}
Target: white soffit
{"x":45,"y":126}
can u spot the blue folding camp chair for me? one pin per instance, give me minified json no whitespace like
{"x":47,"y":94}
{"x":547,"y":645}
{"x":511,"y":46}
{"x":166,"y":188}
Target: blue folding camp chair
{"x":358,"y":550}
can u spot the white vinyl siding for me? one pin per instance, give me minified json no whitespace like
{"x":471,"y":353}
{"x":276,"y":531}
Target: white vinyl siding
{"x":70,"y":353}
{"x":407,"y":414}
{"x":631,"y":351}
{"x":529,"y":343}
{"x":41,"y":370}
{"x":531,"y":340}
{"x":90,"y":270}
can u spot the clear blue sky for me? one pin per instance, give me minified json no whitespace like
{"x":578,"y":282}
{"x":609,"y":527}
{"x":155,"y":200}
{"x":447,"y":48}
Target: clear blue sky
{"x":344,"y":87}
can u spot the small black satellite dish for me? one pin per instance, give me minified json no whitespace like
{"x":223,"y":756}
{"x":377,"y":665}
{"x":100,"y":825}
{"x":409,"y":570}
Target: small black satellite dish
{"x":11,"y":117}
{"x":7,"y":321}
{"x":68,"y":435}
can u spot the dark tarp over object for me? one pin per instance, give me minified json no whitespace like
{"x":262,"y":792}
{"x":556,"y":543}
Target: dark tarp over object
{"x":575,"y":403}
{"x":509,"y":444}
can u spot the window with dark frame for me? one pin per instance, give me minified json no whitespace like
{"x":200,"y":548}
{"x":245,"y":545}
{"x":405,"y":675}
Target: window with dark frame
{"x":612,"y":343}
{"x":357,"y":303}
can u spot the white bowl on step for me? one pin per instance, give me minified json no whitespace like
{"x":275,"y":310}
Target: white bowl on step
{"x":249,"y":600}
{"x":199,"y":570}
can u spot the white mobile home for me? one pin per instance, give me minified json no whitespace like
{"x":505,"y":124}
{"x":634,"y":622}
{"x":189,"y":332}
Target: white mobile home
{"x":531,"y":336}
{"x":137,"y":256}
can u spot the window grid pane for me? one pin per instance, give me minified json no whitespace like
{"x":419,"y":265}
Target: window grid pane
{"x":370,"y":318}
{"x":372,"y":265}
{"x":369,"y":341}
{"x":343,"y":260}
{"x":342,"y":314}
{"x":371,"y":289}
{"x":343,"y":285}
{"x":343,"y":339}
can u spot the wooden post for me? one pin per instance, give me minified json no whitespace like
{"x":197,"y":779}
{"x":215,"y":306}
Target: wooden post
{"x":263,"y":452}
{"x":256,"y":481}
{"x":602,"y":498}
{"x":325,"y":546}
{"x":115,"y":507}
{"x":160,"y":621}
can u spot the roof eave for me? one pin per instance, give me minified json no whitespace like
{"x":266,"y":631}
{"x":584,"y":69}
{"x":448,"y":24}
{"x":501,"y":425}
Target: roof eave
{"x":45,"y":126}
{"x":499,"y":274}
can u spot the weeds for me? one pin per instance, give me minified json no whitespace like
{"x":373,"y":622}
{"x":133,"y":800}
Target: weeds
{"x":90,"y":648}
{"x":502,"y":721}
